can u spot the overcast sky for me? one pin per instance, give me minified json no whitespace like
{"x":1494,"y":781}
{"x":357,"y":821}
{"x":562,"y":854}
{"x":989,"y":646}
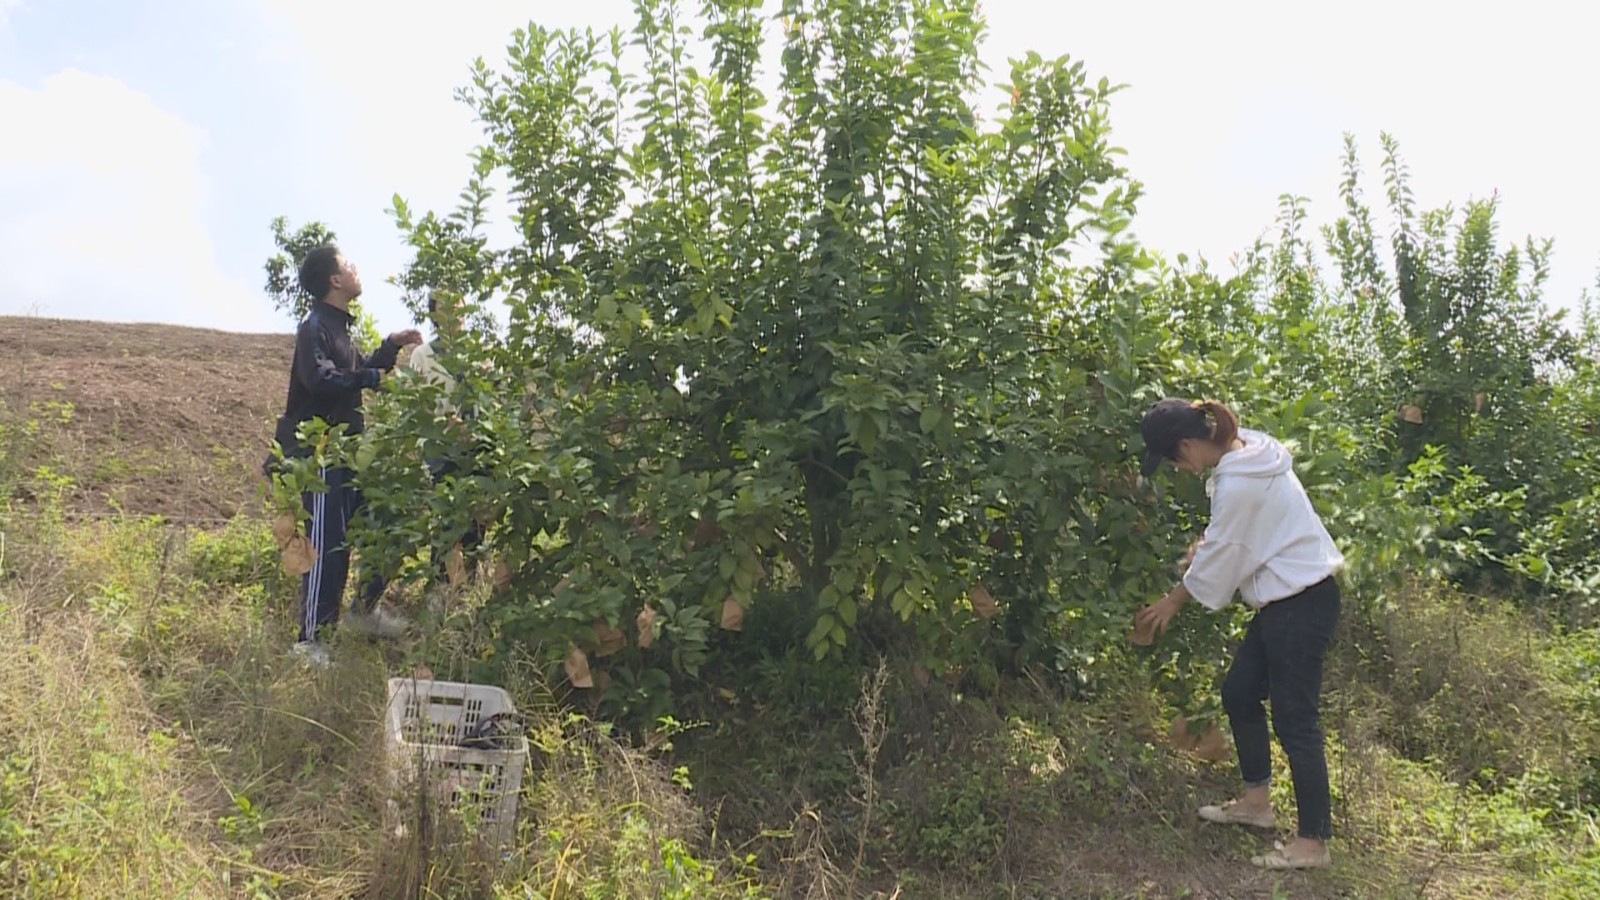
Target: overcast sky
{"x":145,"y":145}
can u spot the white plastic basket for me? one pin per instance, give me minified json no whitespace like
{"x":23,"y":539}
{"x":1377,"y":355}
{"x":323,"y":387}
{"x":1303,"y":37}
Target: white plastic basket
{"x":422,"y":726}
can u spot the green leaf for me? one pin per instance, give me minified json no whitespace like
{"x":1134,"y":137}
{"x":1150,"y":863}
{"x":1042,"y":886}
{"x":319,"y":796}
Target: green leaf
{"x":905,"y":603}
{"x":824,"y":627}
{"x":847,"y":611}
{"x":866,"y":433}
{"x":691,"y":254}
{"x":931,"y":415}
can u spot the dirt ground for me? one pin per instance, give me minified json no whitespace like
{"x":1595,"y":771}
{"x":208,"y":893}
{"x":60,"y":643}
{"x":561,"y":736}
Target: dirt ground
{"x":163,"y":420}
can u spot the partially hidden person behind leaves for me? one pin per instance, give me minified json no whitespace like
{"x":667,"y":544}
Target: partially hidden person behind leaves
{"x":1265,"y":543}
{"x":326,"y":381}
{"x":432,"y":363}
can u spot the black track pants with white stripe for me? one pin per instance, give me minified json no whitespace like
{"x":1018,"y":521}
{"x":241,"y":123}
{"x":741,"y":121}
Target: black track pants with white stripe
{"x":322,"y":591}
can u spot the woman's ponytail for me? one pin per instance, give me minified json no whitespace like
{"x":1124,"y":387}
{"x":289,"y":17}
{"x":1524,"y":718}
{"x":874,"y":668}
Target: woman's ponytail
{"x":1224,"y":424}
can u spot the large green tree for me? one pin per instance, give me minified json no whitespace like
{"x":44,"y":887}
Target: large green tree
{"x":815,"y":367}
{"x":858,"y":367}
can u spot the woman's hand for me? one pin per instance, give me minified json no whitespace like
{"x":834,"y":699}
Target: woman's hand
{"x":1152,"y":621}
{"x":1155,"y":618}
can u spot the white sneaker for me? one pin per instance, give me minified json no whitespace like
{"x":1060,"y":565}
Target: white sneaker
{"x":379,"y":623}
{"x":312,"y":654}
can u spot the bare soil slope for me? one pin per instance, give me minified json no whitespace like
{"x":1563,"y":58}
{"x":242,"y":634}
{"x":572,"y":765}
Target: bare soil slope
{"x":161,"y":419}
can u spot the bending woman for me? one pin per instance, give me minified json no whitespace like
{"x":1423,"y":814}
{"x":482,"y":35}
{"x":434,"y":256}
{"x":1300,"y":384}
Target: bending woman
{"x":1265,"y":543}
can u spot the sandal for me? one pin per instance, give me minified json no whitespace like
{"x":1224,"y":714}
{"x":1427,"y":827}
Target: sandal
{"x":1280,"y":859}
{"x":1229,"y":814}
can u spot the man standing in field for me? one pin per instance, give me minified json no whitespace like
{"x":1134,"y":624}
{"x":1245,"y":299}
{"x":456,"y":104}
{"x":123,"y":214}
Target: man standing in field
{"x":325,"y":382}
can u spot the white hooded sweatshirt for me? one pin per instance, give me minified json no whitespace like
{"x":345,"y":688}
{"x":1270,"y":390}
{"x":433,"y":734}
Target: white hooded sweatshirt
{"x":1265,"y":539}
{"x":424,"y":362}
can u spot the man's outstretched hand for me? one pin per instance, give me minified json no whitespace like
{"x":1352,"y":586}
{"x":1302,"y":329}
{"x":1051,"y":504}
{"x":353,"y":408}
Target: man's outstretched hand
{"x":408,"y":338}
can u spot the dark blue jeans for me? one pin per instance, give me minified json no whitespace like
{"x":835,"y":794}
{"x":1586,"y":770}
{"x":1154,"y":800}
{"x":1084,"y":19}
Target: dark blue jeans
{"x":1281,"y":661}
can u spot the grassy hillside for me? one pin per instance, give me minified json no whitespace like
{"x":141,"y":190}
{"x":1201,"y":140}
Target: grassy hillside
{"x":155,"y":740}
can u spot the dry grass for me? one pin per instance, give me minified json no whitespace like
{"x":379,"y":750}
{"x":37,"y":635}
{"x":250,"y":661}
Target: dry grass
{"x":93,"y":799}
{"x":1085,"y":800}
{"x":156,"y":740}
